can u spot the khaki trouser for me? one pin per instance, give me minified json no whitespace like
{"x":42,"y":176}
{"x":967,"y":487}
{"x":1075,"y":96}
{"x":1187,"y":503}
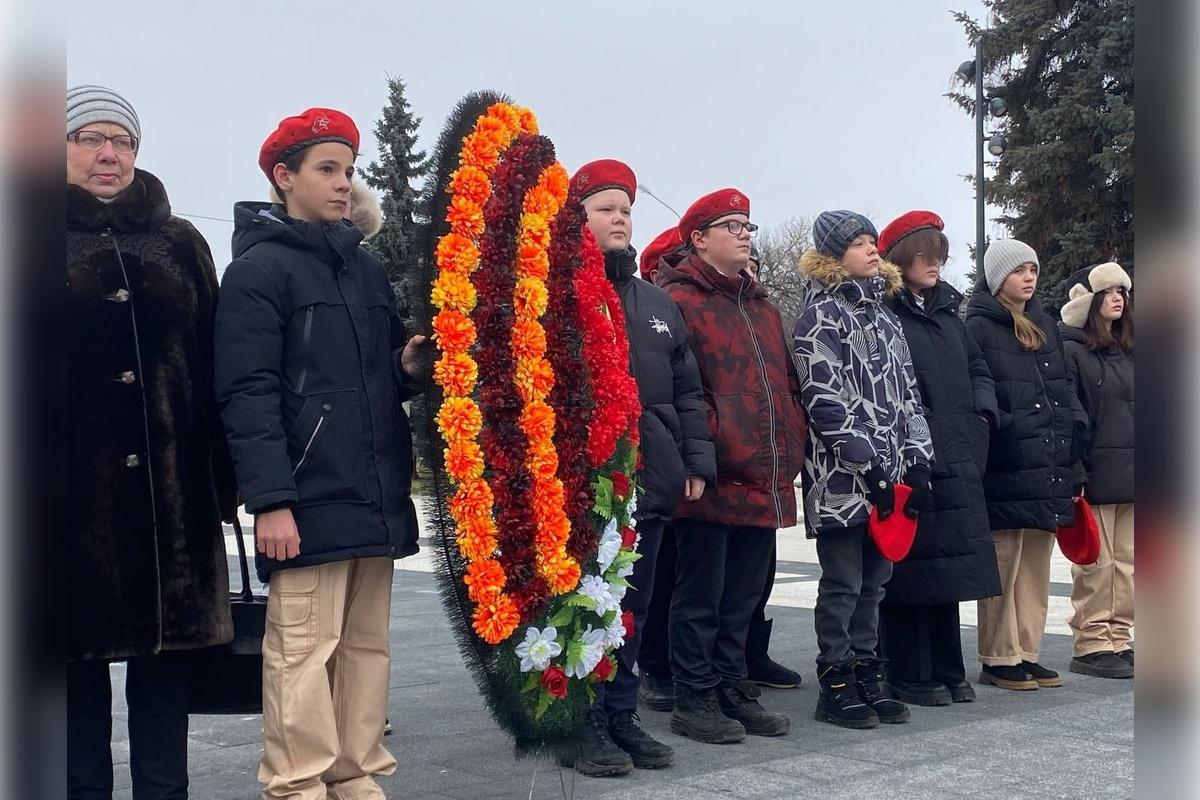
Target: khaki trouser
{"x":1011,"y":625}
{"x":1103,"y":592}
{"x":325,"y":681}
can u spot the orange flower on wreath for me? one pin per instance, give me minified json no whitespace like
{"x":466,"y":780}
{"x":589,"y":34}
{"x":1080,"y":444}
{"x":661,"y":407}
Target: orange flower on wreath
{"x":496,"y":621}
{"x":459,"y":419}
{"x":471,"y":183}
{"x":484,"y":580}
{"x":528,"y":339}
{"x":465,"y":218}
{"x":476,"y":538}
{"x":457,"y":253}
{"x":534,"y":378}
{"x":473,"y":499}
{"x":453,"y":291}
{"x":464,"y":461}
{"x":455,"y":332}
{"x":456,"y":373}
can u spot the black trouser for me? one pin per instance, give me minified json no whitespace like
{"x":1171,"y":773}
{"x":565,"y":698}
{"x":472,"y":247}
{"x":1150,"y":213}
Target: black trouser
{"x":922,"y":643}
{"x":654,"y":654}
{"x":759,"y":636}
{"x":853,"y":573}
{"x":621,"y":694}
{"x":158,"y":690}
{"x":718,"y":582}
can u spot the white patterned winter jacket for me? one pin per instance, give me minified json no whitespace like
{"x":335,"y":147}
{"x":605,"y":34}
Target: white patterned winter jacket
{"x":858,"y":389}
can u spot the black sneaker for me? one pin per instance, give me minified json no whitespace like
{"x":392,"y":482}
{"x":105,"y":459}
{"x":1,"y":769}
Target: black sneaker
{"x":839,"y":702}
{"x":961,"y":691}
{"x":1046,"y":678}
{"x":1127,"y":656}
{"x":919,"y":693}
{"x":1102,"y":665}
{"x":646,"y":751}
{"x":655,"y":693}
{"x":698,"y":715}
{"x":738,"y":703}
{"x":869,"y":675}
{"x":1013,"y":678}
{"x":596,"y":755}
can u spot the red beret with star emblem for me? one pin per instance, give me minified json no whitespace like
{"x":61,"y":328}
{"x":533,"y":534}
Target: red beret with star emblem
{"x":664,"y":243}
{"x":907,"y":224}
{"x":314,"y":126}
{"x":710,"y":207}
{"x":607,"y":173}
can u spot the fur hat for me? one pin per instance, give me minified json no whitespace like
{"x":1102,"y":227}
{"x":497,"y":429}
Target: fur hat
{"x":364,"y":209}
{"x":1083,"y":286}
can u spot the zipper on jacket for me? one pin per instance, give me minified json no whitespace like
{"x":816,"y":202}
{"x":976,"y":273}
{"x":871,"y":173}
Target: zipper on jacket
{"x":308,"y":318}
{"x":762,"y":371}
{"x":307,"y":447}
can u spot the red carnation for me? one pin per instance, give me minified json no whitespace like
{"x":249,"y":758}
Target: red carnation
{"x":554,"y":681}
{"x":628,"y":537}
{"x":620,"y":484}
{"x":603,"y":670}
{"x":627,"y":621}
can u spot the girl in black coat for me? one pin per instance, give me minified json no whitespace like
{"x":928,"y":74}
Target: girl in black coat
{"x":1097,"y":330}
{"x":1029,"y":481}
{"x":952,"y":558}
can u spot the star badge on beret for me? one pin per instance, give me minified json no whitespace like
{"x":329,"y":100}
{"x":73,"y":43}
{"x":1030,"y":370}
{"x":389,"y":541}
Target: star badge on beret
{"x":735,"y":200}
{"x":320,"y":124}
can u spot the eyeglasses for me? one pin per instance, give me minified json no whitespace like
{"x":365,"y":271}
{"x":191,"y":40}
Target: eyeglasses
{"x":932,"y":259}
{"x":91,"y":140}
{"x":735,"y":226}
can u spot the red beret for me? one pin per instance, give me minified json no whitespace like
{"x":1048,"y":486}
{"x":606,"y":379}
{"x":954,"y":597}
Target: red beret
{"x":908,"y":223}
{"x":1080,"y":541}
{"x":607,"y":173}
{"x":312,"y":127}
{"x":664,"y":243}
{"x":710,"y":207}
{"x":894,"y":536}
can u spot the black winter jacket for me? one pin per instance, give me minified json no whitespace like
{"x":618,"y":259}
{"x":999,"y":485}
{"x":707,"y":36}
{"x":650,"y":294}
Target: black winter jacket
{"x":1032,"y":456}
{"x":309,"y":384}
{"x":953,"y":557}
{"x":1104,"y":385}
{"x":674,"y":426}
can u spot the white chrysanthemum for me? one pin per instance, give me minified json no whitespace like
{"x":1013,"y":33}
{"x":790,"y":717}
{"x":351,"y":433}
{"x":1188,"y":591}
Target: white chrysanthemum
{"x":598,"y":589}
{"x":610,"y":543}
{"x":590,"y":653}
{"x":625,"y":571}
{"x":614,"y":635}
{"x":618,"y":592}
{"x":538,"y":648}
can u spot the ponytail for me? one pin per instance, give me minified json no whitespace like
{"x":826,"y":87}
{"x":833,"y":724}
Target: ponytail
{"x":1028,"y":333}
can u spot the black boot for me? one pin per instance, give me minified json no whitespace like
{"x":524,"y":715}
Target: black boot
{"x":737,"y":702}
{"x":761,"y":668}
{"x":646,"y":752}
{"x":697,"y":715}
{"x":596,"y":755}
{"x":839,"y":702}
{"x":961,"y":691}
{"x":1046,"y":678}
{"x":655,"y":693}
{"x":1102,"y":665}
{"x":919,"y":693}
{"x":870,"y":676}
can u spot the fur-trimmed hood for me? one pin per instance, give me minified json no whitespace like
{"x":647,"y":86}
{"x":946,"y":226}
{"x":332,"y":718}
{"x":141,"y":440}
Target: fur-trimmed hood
{"x":827,"y":273}
{"x":364,"y":209}
{"x":1083,"y":286}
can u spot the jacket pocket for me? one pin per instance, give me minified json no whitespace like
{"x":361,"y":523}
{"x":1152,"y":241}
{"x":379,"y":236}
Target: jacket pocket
{"x":327,"y":443}
{"x":663,"y":472}
{"x":738,"y":438}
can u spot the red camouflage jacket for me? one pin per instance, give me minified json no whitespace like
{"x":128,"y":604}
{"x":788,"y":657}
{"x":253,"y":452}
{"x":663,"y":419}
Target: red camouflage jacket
{"x":752,"y":392}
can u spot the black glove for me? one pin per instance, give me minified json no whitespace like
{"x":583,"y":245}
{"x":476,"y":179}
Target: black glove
{"x":880,"y":491}
{"x":917,"y":479}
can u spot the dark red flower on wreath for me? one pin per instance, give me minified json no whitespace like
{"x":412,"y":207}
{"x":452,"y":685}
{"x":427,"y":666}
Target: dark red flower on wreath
{"x":603,"y":670}
{"x":628,"y":537}
{"x":627,"y":621}
{"x":620,"y":484}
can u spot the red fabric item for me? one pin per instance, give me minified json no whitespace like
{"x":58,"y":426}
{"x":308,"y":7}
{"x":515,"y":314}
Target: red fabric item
{"x":737,"y":368}
{"x":664,"y":243}
{"x":712,"y":206}
{"x":905,"y":224}
{"x":1080,"y":541}
{"x":607,"y":173}
{"x":894,"y":536}
{"x":313,"y":126}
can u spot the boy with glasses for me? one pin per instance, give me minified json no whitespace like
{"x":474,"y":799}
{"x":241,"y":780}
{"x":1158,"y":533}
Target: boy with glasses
{"x":725,"y":539}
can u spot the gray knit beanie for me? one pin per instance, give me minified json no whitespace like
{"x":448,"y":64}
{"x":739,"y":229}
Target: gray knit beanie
{"x":1001,"y":258}
{"x":834,"y":231}
{"x":88,"y":104}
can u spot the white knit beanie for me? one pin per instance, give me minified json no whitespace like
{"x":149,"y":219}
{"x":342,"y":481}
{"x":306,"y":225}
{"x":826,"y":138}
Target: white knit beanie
{"x":88,"y":104}
{"x":1002,"y":257}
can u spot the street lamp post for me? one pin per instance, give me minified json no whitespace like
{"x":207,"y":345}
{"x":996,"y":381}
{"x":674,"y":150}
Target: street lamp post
{"x":972,"y":71}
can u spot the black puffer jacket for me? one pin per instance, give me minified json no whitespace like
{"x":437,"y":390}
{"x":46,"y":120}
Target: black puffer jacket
{"x":1030,"y":477}
{"x":674,"y":425}
{"x":953,"y":557}
{"x":1104,"y":385}
{"x":307,"y":346}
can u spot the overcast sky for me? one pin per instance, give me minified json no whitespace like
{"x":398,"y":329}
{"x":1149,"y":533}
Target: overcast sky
{"x":802,"y":105}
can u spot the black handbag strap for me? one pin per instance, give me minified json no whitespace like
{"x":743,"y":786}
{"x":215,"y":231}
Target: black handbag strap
{"x":247,"y":594}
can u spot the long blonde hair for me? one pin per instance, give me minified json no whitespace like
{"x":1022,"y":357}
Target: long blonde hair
{"x":1028,"y":333}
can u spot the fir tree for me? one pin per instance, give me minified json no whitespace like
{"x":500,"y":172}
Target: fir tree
{"x":1065,"y":179}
